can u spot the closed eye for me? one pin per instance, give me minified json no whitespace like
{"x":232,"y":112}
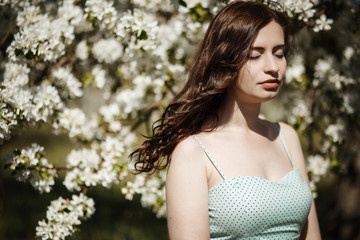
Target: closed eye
{"x":279,"y":51}
{"x":255,"y":54}
{"x":253,"y":57}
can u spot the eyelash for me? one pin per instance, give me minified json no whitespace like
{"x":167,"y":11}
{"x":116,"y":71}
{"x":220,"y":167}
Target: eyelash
{"x":256,"y":57}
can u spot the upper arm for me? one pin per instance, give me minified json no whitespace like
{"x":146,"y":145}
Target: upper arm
{"x":312,"y":230}
{"x":187,"y":193}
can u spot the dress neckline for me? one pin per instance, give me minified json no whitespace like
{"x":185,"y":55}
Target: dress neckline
{"x":267,"y":181}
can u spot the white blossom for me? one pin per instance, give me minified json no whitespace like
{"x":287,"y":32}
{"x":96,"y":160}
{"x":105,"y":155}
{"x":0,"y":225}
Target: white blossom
{"x":71,"y":12}
{"x":90,"y":168}
{"x":8,"y":120}
{"x":336,"y":80}
{"x":194,"y":3}
{"x":301,"y":111}
{"x":153,"y":5}
{"x":46,"y":100}
{"x":111,"y":115}
{"x":64,"y":78}
{"x":303,"y":9}
{"x":85,"y":163}
{"x":29,"y":164}
{"x":326,"y":73}
{"x":349,"y":102}
{"x":20,"y":99}
{"x":82,"y":51}
{"x":178,"y":72}
{"x":107,"y":50}
{"x":103,"y":12}
{"x":296,"y":69}
{"x":63,"y":215}
{"x":129,"y":138}
{"x":40,"y":36}
{"x":130,"y":100}
{"x":113,"y":153}
{"x":322,"y":67}
{"x":348,"y":53}
{"x":16,"y":75}
{"x":336,"y":132}
{"x":15,"y":98}
{"x":152,"y":191}
{"x":318,"y":165}
{"x":325,"y":146}
{"x":75,"y":123}
{"x":99,"y":75}
{"x":323,"y":23}
{"x":30,"y":15}
{"x":139,"y":31}
{"x":169,"y":34}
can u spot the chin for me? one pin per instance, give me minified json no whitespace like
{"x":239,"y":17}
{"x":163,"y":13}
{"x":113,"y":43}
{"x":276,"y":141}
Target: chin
{"x":272,"y":92}
{"x":269,"y":96}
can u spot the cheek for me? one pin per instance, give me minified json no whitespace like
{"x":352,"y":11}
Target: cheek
{"x":249,"y":71}
{"x":284,"y":66}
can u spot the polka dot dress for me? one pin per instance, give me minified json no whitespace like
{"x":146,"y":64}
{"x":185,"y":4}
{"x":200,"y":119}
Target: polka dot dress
{"x":249,"y":207}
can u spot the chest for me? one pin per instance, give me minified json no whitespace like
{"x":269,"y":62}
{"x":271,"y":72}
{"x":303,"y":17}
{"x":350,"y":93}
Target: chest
{"x":251,"y":206}
{"x":267,"y":160}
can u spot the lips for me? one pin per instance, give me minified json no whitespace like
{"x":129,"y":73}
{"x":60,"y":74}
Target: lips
{"x":271,"y":83}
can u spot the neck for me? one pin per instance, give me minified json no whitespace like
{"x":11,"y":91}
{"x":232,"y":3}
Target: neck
{"x":237,"y":113}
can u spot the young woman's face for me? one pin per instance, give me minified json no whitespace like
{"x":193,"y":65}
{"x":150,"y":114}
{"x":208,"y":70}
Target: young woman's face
{"x":262,"y":75}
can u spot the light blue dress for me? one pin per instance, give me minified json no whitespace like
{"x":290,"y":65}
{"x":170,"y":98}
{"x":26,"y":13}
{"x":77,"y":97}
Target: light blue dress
{"x":248,"y":207}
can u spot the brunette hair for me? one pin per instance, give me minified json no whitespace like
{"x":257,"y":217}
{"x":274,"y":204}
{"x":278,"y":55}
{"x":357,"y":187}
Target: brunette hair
{"x":216,"y":65}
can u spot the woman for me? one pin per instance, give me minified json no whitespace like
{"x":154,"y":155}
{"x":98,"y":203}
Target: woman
{"x":232,"y":175}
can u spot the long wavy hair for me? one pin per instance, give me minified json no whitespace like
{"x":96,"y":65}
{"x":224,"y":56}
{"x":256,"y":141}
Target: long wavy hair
{"x":216,"y":65}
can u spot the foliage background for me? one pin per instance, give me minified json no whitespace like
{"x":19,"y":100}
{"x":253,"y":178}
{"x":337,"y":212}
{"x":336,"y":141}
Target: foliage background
{"x":321,"y":86}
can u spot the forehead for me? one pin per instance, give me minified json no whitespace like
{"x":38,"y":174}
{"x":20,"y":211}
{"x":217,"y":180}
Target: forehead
{"x":270,"y":34}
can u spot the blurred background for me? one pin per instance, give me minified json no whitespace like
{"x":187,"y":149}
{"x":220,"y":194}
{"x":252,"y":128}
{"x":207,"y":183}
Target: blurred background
{"x":321,"y":100}
{"x":21,"y":207}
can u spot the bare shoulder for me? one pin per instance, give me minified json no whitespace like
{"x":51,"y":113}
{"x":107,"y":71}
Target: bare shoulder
{"x":186,"y":151}
{"x":187,"y":157}
{"x":288,"y":132}
{"x":186,"y":146}
{"x":290,"y":136}
{"x":292,"y":141}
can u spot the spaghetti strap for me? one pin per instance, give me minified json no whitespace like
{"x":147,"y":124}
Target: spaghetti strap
{"x":284,"y":144}
{"x":210,"y":158}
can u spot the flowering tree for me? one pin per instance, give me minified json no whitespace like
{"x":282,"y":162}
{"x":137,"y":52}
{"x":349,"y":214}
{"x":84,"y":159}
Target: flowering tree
{"x":133,"y":54}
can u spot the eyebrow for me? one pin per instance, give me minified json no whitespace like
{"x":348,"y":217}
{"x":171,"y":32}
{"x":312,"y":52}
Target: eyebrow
{"x":281,"y":46}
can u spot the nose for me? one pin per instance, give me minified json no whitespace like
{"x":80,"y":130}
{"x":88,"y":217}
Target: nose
{"x":271,"y":65}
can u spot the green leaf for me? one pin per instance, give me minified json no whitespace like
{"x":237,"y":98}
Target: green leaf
{"x":182,"y":3}
{"x":30,"y":55}
{"x":18,"y":52}
{"x":200,"y":14}
{"x":89,"y":17}
{"x":17,"y":152}
{"x":44,"y":174}
{"x":143,"y":35}
{"x":87,"y":79}
{"x":334,"y":162}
